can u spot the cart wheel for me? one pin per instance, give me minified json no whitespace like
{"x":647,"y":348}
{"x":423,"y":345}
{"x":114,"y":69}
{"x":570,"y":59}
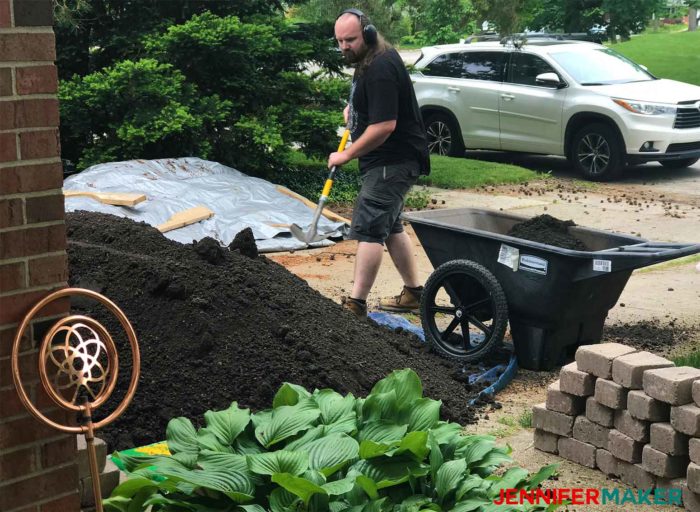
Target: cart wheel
{"x":464,"y":311}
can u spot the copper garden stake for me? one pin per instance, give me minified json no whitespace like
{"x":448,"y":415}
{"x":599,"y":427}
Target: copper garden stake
{"x":78,"y":367}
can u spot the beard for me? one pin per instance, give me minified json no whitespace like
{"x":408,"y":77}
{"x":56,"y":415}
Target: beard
{"x":352,"y":57}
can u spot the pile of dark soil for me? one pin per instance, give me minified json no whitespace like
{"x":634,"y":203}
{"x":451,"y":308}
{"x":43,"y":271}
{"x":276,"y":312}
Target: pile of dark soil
{"x":653,"y":335}
{"x":546,"y":229}
{"x":215,"y":326}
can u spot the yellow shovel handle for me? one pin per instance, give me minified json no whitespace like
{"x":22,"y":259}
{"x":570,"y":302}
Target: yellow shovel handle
{"x":344,"y":140}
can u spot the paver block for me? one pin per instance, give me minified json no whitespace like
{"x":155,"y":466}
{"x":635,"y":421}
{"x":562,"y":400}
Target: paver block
{"x":671,"y":385}
{"x":686,"y":419}
{"x":546,"y":441}
{"x":576,"y":451}
{"x":694,"y":450}
{"x":565,"y":403}
{"x":691,"y":500}
{"x":635,"y":475}
{"x":628,"y":370}
{"x":693,"y":476}
{"x":588,"y":432}
{"x":662,"y":464}
{"x":666,"y":439}
{"x":598,"y":359}
{"x":84,"y":462}
{"x":552,"y":421}
{"x":576,"y":382}
{"x":696,"y":392}
{"x":624,"y":447}
{"x":610,"y":394}
{"x":606,"y":462}
{"x":632,"y":427}
{"x":109,"y":479}
{"x":598,"y":413}
{"x":643,"y":407}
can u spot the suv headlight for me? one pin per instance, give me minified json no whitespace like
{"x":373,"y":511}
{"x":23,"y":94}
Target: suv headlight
{"x":648,"y":109}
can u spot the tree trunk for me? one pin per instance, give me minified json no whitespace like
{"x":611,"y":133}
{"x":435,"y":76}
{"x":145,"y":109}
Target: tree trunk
{"x":692,"y":19}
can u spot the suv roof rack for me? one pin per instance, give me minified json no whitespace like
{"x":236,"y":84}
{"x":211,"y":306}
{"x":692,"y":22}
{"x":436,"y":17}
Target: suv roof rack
{"x":521,"y":38}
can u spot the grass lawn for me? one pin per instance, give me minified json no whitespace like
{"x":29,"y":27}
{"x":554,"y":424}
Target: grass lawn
{"x":674,"y":55}
{"x":457,"y":173}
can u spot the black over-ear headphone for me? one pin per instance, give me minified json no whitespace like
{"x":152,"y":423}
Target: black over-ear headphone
{"x":369,"y":31}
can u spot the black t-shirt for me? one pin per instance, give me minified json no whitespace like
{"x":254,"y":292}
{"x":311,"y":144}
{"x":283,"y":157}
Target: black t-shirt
{"x":384,"y":92}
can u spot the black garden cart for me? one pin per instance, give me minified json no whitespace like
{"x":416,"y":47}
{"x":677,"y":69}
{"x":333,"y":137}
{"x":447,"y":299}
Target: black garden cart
{"x":555,"y":299}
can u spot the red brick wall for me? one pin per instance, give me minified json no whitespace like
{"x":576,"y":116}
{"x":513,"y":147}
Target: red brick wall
{"x":38,"y":471}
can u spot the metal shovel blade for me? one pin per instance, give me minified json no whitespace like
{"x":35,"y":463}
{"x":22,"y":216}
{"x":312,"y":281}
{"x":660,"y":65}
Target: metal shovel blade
{"x":308,"y":237}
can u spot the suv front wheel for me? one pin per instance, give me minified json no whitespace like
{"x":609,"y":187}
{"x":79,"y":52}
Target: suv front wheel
{"x":443,"y":135}
{"x":596,"y":152}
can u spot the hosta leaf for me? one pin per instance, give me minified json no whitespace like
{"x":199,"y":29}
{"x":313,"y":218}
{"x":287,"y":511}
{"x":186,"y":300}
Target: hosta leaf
{"x":339,"y":487}
{"x":495,"y":457}
{"x":132,"y":486}
{"x":344,"y":425}
{"x":281,"y":461}
{"x":424,"y":414}
{"x":333,"y":406}
{"x":509,"y":480}
{"x":436,"y":458}
{"x":287,"y":421}
{"x":245,"y":445}
{"x":208,"y":441}
{"x":289,"y":394}
{"x":370,"y":449}
{"x":223,"y":461}
{"x":251,"y":508}
{"x":381,"y":406}
{"x":446,"y":432}
{"x":261,"y":417}
{"x":368,"y":485}
{"x":314,"y":476}
{"x":187,"y":459}
{"x":298,"y":486}
{"x":469,"y":505}
{"x":310,"y":435}
{"x":449,"y":476}
{"x":405,"y":383}
{"x":281,"y":499}
{"x":469,"y":483}
{"x":414,"y":442}
{"x":338,"y":506}
{"x":473,"y":453}
{"x":227,"y":424}
{"x":233,"y":484}
{"x":382,"y":431}
{"x":542,"y":475}
{"x":181,"y":436}
{"x":330,"y":453}
{"x":386,"y":472}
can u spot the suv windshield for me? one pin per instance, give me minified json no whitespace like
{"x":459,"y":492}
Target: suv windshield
{"x":601,"y":67}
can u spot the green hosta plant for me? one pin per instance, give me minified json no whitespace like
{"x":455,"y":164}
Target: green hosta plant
{"x":322,"y":451}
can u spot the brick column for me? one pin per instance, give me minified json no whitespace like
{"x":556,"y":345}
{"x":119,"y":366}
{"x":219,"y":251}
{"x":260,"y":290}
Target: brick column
{"x":38,"y":471}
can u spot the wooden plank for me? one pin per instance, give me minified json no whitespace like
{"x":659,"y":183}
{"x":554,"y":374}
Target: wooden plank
{"x":115,"y":198}
{"x":326,"y":212}
{"x":185,"y":218}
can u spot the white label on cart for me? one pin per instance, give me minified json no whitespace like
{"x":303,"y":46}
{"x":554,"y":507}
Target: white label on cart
{"x":533,"y":264}
{"x":602,"y":265}
{"x":509,"y":256}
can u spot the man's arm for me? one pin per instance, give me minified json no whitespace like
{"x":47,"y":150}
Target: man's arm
{"x":374,"y":136}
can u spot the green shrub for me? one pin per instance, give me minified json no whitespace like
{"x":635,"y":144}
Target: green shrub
{"x":322,"y":451}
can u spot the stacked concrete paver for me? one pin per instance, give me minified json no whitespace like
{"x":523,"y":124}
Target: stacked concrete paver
{"x":633,"y":415}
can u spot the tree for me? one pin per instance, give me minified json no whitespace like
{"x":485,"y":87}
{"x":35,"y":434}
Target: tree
{"x":504,"y":13}
{"x":693,"y":14}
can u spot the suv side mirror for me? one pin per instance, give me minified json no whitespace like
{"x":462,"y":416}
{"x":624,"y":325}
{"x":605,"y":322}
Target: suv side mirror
{"x":549,"y":80}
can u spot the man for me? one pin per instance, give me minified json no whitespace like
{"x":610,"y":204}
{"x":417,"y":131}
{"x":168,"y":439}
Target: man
{"x":389,"y":139}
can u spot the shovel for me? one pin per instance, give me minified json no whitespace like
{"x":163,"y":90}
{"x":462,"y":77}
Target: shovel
{"x":311,"y":235}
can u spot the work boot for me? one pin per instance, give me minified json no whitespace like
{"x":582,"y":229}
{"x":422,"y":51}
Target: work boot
{"x":355,"y":306}
{"x":408,"y":301}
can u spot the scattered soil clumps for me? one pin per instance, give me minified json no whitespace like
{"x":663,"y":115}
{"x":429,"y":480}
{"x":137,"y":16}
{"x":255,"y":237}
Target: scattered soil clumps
{"x":244,"y":242}
{"x":652,"y":335}
{"x":216,"y":327}
{"x":546,"y":229}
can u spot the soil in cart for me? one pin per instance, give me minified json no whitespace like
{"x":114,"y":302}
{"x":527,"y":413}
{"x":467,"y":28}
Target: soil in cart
{"x":546,"y":229}
{"x":215,"y":326}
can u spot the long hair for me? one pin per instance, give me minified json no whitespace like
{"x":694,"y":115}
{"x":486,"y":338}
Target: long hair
{"x":373,"y":51}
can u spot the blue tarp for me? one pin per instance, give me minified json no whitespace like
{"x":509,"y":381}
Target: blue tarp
{"x":507,"y":371}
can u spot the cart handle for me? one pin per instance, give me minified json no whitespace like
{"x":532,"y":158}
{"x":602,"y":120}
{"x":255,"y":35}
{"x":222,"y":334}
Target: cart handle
{"x":655,"y":248}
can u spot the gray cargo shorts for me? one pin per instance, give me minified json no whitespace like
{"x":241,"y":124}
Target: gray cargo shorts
{"x":380,"y":201}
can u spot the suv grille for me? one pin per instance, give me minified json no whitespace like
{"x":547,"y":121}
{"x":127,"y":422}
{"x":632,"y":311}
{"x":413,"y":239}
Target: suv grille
{"x":682,"y":146}
{"x":688,"y":115}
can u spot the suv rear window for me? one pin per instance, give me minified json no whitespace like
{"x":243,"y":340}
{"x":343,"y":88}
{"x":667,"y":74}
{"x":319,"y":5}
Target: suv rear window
{"x":471,"y":65}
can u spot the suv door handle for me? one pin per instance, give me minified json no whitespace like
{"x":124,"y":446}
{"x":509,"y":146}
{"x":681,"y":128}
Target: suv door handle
{"x":453,"y":88}
{"x":507,"y":97}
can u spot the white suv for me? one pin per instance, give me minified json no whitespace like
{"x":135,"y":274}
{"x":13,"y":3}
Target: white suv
{"x":570,"y":98}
